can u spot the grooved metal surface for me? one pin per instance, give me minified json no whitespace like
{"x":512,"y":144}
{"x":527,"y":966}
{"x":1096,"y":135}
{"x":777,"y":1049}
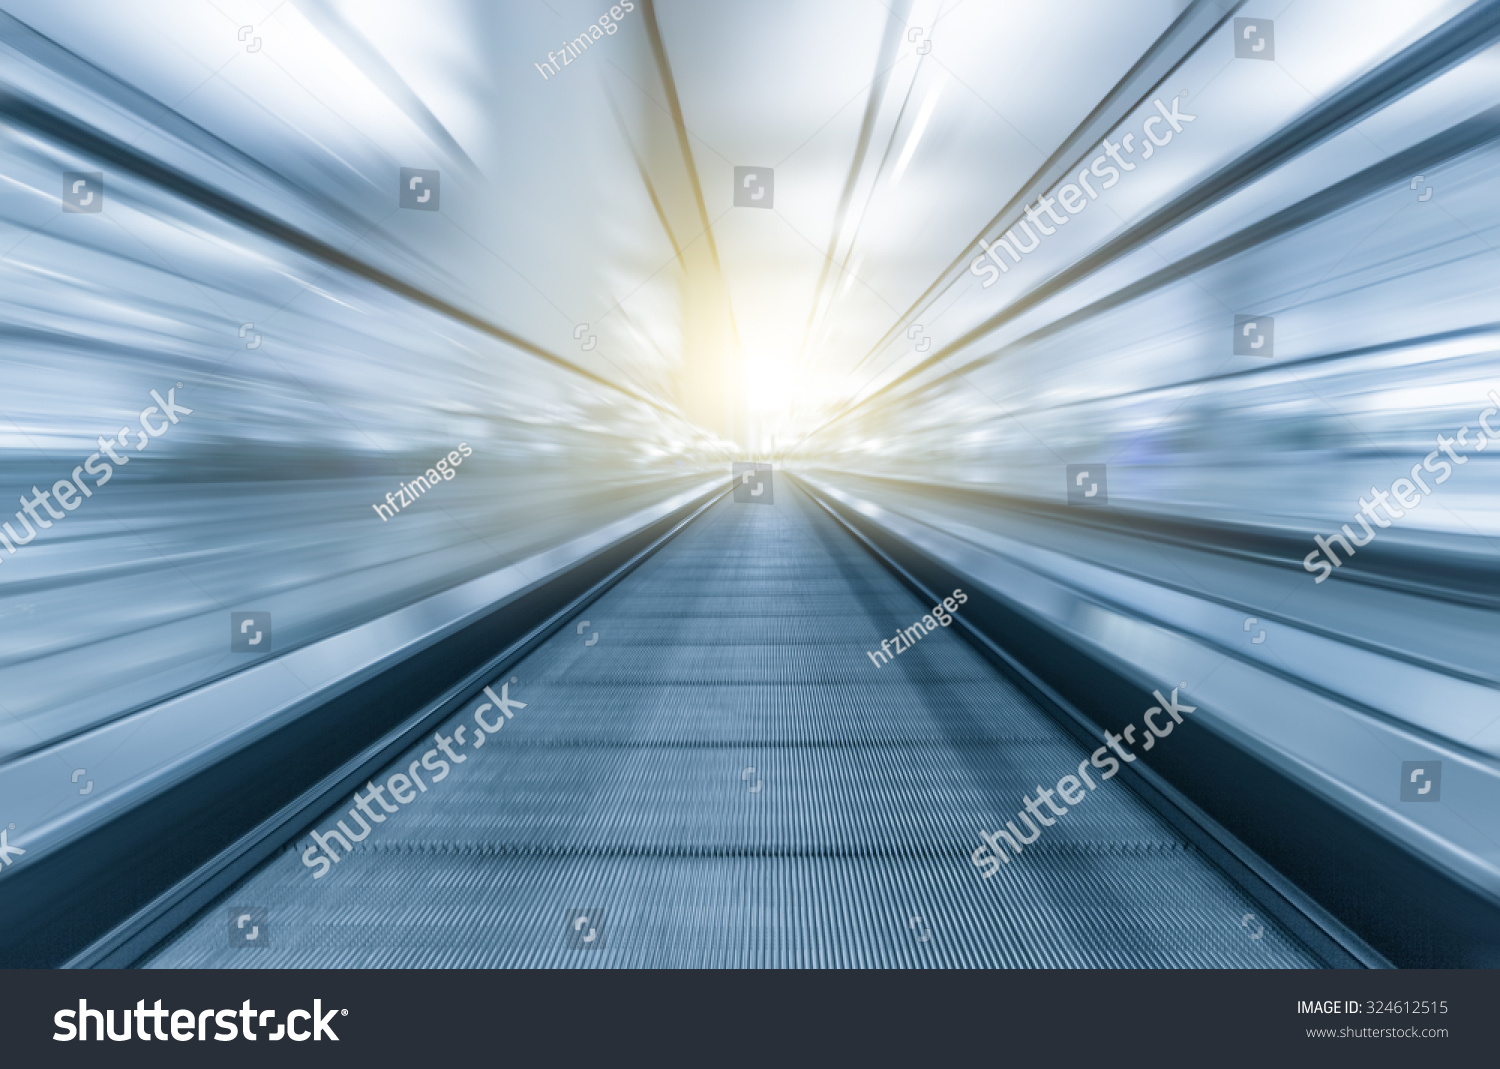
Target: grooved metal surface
{"x":724,"y":779}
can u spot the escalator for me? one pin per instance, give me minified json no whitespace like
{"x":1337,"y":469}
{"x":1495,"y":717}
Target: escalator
{"x":708,"y":768}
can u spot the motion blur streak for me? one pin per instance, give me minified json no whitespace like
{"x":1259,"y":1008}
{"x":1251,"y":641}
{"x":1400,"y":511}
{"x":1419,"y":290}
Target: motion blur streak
{"x":261,"y":501}
{"x":352,"y":235}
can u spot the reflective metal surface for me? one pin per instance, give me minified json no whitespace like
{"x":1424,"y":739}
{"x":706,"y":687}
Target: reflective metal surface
{"x":1167,"y":324}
